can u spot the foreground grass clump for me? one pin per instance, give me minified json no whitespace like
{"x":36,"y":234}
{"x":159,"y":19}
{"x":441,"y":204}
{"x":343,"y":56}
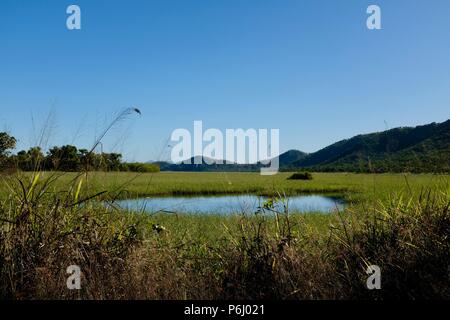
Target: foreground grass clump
{"x":267,"y":254}
{"x":408,"y":240}
{"x":42,"y":234}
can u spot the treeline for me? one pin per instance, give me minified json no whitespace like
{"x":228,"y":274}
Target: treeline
{"x":64,"y":158}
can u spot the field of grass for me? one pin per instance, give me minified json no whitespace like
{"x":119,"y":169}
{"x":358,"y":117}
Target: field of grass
{"x":49,"y":221}
{"x":351,"y":186}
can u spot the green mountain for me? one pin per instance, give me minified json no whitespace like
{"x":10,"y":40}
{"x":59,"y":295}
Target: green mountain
{"x":408,"y":149}
{"x":291,"y":156}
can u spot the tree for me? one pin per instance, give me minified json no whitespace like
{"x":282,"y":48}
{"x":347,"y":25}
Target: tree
{"x":6,"y":143}
{"x":65,"y":158}
{"x":113,"y":161}
{"x":31,"y":159}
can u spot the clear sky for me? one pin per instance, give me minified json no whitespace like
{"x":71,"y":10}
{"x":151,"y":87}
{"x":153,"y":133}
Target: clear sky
{"x":310,"y":68}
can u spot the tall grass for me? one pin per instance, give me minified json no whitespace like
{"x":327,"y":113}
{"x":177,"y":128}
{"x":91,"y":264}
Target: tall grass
{"x":408,"y":239}
{"x":43,"y":232}
{"x":269,"y":254}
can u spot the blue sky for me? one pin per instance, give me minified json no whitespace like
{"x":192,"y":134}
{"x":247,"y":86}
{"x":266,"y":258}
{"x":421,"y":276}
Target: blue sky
{"x":310,"y":68}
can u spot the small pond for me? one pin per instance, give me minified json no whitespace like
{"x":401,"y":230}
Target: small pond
{"x":230,"y":204}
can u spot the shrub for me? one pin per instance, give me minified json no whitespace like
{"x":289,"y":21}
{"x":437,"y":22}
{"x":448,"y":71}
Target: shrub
{"x":301,"y":176}
{"x":141,"y":167}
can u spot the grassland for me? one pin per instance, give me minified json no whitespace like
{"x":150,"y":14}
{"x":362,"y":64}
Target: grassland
{"x":353,"y":187}
{"x":49,"y":221}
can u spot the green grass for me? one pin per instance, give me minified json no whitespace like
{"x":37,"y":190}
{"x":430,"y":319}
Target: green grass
{"x":211,"y":228}
{"x":356,"y":187}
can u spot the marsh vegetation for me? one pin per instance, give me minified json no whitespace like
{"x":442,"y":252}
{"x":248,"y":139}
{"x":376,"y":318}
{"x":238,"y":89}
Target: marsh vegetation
{"x":50,"y":220}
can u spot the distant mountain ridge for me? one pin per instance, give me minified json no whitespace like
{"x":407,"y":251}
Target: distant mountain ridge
{"x":407,"y":149}
{"x":423,"y":148}
{"x":285,"y":160}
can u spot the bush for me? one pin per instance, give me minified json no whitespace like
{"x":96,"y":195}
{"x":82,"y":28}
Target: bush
{"x":301,"y":176}
{"x":141,"y":167}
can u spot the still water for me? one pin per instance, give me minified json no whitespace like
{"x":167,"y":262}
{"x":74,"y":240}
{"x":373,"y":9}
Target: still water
{"x":230,"y":204}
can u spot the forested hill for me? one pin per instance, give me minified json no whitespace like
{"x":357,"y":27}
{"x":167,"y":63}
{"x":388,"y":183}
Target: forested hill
{"x":409,"y":149}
